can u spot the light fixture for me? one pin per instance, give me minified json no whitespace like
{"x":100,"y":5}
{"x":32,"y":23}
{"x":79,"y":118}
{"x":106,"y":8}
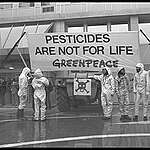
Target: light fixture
{"x":11,"y":68}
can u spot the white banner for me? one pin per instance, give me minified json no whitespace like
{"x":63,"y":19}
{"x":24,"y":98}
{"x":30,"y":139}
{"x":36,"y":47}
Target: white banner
{"x":82,"y":86}
{"x":83,"y":51}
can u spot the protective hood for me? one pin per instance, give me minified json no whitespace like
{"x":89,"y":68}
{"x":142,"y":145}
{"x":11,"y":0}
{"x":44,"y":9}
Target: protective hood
{"x":109,"y":72}
{"x":119,"y":68}
{"x":25,"y":71}
{"x":38,"y":73}
{"x":140,"y":65}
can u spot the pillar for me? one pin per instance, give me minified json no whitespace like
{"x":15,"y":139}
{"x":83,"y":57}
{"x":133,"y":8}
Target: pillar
{"x":109,"y":26}
{"x":59,"y":26}
{"x":133,"y":24}
{"x":85,"y":28}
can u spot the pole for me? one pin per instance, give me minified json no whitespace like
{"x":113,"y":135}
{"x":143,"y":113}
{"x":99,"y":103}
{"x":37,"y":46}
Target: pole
{"x":145,"y":36}
{"x":12,"y":49}
{"x":21,"y":57}
{"x":46,"y":31}
{"x":8,"y":36}
{"x":36,"y":28}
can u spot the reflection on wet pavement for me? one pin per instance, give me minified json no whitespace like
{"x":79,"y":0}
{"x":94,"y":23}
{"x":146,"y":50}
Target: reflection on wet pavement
{"x":82,"y":130}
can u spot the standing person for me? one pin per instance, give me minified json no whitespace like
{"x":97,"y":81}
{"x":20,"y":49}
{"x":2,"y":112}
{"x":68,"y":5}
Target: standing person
{"x":49,"y":89}
{"x":98,"y":96}
{"x":140,"y":84}
{"x":39,"y":82}
{"x":22,"y":93}
{"x":14,"y":89}
{"x":108,"y":89}
{"x":122,"y":91}
{"x":2,"y":91}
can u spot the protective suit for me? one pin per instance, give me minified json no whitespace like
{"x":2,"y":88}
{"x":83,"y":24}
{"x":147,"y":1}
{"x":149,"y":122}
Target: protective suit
{"x":22,"y":93}
{"x":122,"y":91}
{"x":108,"y":89}
{"x":140,"y":86}
{"x":39,"y":82}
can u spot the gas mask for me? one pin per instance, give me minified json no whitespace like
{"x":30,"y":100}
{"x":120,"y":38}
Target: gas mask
{"x":104,"y":72}
{"x":138,"y":69}
{"x":121,"y":72}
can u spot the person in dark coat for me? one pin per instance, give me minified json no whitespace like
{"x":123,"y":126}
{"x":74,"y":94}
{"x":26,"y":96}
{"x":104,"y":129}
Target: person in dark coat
{"x":2,"y":91}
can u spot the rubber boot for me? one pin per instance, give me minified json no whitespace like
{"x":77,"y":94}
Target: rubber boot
{"x":145,"y":118}
{"x":22,"y":114}
{"x":18,"y":113}
{"x":135,"y":118}
{"x":122,"y":117}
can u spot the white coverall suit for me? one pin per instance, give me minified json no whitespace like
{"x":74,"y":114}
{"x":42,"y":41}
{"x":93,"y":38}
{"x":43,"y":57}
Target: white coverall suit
{"x":23,"y":85}
{"x":140,"y":89}
{"x":108,"y":89}
{"x":39,"y":82}
{"x":122,"y":91}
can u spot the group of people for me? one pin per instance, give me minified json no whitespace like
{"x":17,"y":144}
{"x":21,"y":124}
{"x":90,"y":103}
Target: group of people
{"x":8,"y":91}
{"x":39,"y":82}
{"x":121,"y":86}
{"x":109,"y":86}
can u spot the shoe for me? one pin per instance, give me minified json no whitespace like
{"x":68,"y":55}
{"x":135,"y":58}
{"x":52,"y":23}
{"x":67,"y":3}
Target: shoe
{"x":35,"y":119}
{"x":43,"y":119}
{"x":135,"y":118}
{"x":122,"y":117}
{"x":18,"y":114}
{"x":106,"y":118}
{"x":145,"y":118}
{"x":126,"y":118}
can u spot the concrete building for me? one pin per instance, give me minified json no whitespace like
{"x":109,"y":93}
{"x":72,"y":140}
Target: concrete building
{"x":65,"y":16}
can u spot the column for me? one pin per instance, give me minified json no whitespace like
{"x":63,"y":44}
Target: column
{"x":109,"y":26}
{"x":85,"y":28}
{"x":133,"y":24}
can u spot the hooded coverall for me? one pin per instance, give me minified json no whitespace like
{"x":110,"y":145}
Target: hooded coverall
{"x":122,"y":91}
{"x":39,"y":82}
{"x":140,"y":89}
{"x":23,"y":85}
{"x":108,"y":89}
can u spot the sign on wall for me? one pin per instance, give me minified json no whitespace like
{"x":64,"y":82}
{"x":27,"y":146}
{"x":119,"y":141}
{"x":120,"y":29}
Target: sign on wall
{"x":83,"y":51}
{"x":82,"y":86}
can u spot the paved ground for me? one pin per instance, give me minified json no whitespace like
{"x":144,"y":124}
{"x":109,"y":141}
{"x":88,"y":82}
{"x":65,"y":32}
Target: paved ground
{"x":80,"y":128}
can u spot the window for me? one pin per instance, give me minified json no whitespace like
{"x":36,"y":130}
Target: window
{"x":75,"y":29}
{"x":24,"y":4}
{"x":45,"y":3}
{"x":100,"y":28}
{"x":119,"y":28}
{"x":48,"y":9}
{"x":6,"y":6}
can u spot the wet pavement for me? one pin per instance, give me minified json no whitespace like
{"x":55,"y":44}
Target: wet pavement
{"x":72,"y":129}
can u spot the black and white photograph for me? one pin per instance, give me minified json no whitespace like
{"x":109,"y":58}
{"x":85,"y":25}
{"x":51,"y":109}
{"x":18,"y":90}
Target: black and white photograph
{"x":74,"y":74}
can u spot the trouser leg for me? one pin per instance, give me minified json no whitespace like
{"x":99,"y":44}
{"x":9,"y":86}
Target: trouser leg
{"x":43,"y":110}
{"x":22,"y":104}
{"x":145,"y":103}
{"x":107,"y":104}
{"x":126,"y":103}
{"x":103,"y":100}
{"x":36,"y":108}
{"x":23,"y":100}
{"x":137,"y":102}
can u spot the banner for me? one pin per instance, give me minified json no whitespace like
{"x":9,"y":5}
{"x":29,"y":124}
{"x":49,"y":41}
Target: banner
{"x":83,"y":51}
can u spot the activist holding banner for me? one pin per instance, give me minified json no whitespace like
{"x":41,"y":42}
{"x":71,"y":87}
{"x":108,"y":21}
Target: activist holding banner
{"x":140,"y":89}
{"x":22,"y":93}
{"x":122,"y":91}
{"x":39,"y":82}
{"x":108,"y":90}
